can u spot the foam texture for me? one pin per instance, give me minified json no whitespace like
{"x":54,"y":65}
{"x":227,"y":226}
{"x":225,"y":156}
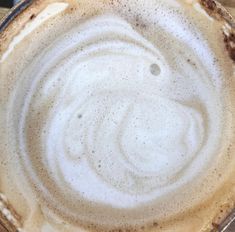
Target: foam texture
{"x":121,"y":119}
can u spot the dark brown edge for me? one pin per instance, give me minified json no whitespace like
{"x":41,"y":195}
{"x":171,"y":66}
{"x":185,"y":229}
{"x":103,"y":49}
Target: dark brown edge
{"x":219,"y":12}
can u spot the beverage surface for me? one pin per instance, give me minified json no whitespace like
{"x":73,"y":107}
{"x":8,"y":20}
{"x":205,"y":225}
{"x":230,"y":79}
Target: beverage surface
{"x":117,"y":116}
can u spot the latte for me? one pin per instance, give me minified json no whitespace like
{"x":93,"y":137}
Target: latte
{"x":117,"y":116}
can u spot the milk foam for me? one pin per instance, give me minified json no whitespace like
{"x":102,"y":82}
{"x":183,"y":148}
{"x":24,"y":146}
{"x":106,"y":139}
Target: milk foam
{"x":104,"y":139}
{"x":113,"y":128}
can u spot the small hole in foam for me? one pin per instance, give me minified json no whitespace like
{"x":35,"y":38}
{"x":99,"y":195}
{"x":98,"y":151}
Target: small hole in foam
{"x":155,"y":69}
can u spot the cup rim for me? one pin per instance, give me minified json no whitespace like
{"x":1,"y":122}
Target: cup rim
{"x":13,"y":13}
{"x":213,"y":8}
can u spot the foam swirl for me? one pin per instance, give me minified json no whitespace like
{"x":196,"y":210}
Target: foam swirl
{"x":116,"y":123}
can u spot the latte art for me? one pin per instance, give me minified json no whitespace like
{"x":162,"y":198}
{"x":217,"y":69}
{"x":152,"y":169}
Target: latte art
{"x":116,"y":123}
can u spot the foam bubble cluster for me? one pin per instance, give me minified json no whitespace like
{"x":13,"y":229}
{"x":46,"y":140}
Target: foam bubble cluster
{"x":119,"y":122}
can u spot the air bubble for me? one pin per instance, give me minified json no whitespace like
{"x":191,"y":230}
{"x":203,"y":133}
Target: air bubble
{"x":155,"y":69}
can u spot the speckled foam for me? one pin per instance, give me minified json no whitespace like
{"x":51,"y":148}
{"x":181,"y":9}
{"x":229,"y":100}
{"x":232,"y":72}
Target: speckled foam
{"x":122,"y":118}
